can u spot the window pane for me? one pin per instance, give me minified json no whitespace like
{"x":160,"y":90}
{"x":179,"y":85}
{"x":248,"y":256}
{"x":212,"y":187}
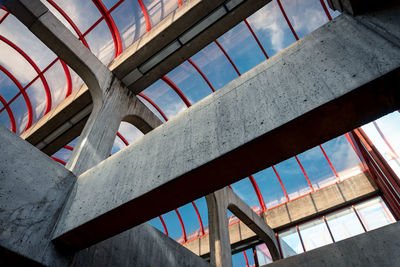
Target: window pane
{"x":344,"y":224}
{"x":263,"y":255}
{"x":315,"y":234}
{"x":290,"y":242}
{"x":374,"y":214}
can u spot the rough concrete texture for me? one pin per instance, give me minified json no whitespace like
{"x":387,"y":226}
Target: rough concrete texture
{"x":330,"y":198}
{"x":33,"y":190}
{"x":380,"y":247}
{"x":338,"y":77}
{"x":140,"y":246}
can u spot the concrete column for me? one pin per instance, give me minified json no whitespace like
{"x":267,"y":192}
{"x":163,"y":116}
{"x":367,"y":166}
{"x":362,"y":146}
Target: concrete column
{"x":220,"y":245}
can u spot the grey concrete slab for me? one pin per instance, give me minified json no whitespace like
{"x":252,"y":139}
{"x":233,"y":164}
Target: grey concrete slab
{"x":379,"y":247}
{"x":33,"y":190}
{"x":337,"y":78}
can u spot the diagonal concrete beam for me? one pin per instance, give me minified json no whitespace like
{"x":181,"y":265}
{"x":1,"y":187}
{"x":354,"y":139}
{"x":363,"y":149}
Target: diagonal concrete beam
{"x":339,"y":77}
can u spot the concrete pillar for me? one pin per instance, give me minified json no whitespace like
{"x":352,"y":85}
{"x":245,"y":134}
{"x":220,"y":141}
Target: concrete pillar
{"x":220,"y":245}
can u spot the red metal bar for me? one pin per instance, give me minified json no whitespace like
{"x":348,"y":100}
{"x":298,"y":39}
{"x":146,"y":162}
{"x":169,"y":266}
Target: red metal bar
{"x":358,"y":216}
{"x":36,"y":68}
{"x":256,"y":263}
{"x":227,"y":56}
{"x":279,"y":244}
{"x":384,"y":139}
{"x":24,"y":94}
{"x":111,"y":25}
{"x":280,"y":181}
{"x":10,"y":114}
{"x":4,"y":17}
{"x":179,"y":2}
{"x":326,"y":10}
{"x":245,"y":258}
{"x":182,"y":225}
{"x":68,"y":76}
{"x":301,"y":239}
{"x":304,"y":172}
{"x":163,"y":224}
{"x":70,"y":21}
{"x":58,"y":160}
{"x":202,"y":74}
{"x":176,"y":89}
{"x":69,"y":147}
{"x":329,"y":229}
{"x":258,"y":193}
{"x":146,"y":15}
{"x":154,"y":105}
{"x":330,"y":163}
{"x":256,"y":38}
{"x":115,"y":6}
{"x":199,"y":217}
{"x":287,"y":20}
{"x":123,"y":139}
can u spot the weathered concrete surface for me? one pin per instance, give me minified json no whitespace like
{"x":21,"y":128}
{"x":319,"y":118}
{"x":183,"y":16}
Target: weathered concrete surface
{"x":380,"y":247}
{"x":338,"y":195}
{"x":33,"y":190}
{"x":357,"y":7}
{"x":141,"y":246}
{"x":337,"y":78}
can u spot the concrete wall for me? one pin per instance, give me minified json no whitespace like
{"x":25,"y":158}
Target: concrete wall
{"x":33,"y":190}
{"x":334,"y":196}
{"x":328,"y":83}
{"x":380,"y":247}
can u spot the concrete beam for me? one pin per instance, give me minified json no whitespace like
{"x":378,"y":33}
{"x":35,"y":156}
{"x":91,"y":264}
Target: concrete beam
{"x":357,"y":7}
{"x":337,"y":78}
{"x":126,"y":65}
{"x":33,"y":190}
{"x":379,"y":247}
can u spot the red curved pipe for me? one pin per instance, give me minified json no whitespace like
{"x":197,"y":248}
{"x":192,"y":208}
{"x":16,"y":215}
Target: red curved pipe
{"x":256,"y":38}
{"x":27,"y":58}
{"x":199,"y":217}
{"x":245,"y":258}
{"x":24,"y":94}
{"x":202,"y":74}
{"x":111,"y":25}
{"x":163,"y":224}
{"x":330,"y":163}
{"x":58,"y":160}
{"x":70,"y":21}
{"x":146,"y":15}
{"x":10,"y":114}
{"x":258,"y":193}
{"x":280,"y":181}
{"x":287,"y":20}
{"x":179,"y":2}
{"x":154,"y":105}
{"x":68,"y":76}
{"x":123,"y":139}
{"x":227,"y":56}
{"x":304,"y":172}
{"x":326,"y":10}
{"x":68,"y":147}
{"x":176,"y":89}
{"x":182,"y":225}
{"x":4,"y":17}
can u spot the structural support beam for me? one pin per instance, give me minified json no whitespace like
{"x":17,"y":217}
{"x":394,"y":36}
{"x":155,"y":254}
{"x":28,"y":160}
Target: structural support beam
{"x":328,"y":83}
{"x":220,"y":245}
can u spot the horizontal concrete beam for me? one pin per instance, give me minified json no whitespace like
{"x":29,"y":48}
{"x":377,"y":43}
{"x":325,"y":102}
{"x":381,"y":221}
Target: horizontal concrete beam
{"x":379,"y":247}
{"x":170,"y":29}
{"x":341,"y":76}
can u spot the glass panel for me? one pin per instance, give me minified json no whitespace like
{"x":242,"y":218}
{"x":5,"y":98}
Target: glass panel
{"x":263,"y":255}
{"x":8,"y":89}
{"x":173,"y":225}
{"x":317,"y":168}
{"x":215,"y":65}
{"x":387,"y":141}
{"x":109,"y":3}
{"x":158,"y":10}
{"x":129,"y":132}
{"x":130,"y":21}
{"x":20,"y":111}
{"x":151,"y":107}
{"x":343,"y":157}
{"x":290,"y":242}
{"x":344,"y":224}
{"x":38,"y":98}
{"x":63,"y":154}
{"x":292,"y":178}
{"x":271,"y":28}
{"x":242,"y":47}
{"x":270,"y":188}
{"x":238,"y":260}
{"x":57,"y":81}
{"x":201,"y":205}
{"x":374,"y":214}
{"x":190,"y":82}
{"x":101,"y":42}
{"x":315,"y":234}
{"x":4,"y":118}
{"x":245,"y":191}
{"x":190,"y":220}
{"x":305,"y":15}
{"x":156,"y":223}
